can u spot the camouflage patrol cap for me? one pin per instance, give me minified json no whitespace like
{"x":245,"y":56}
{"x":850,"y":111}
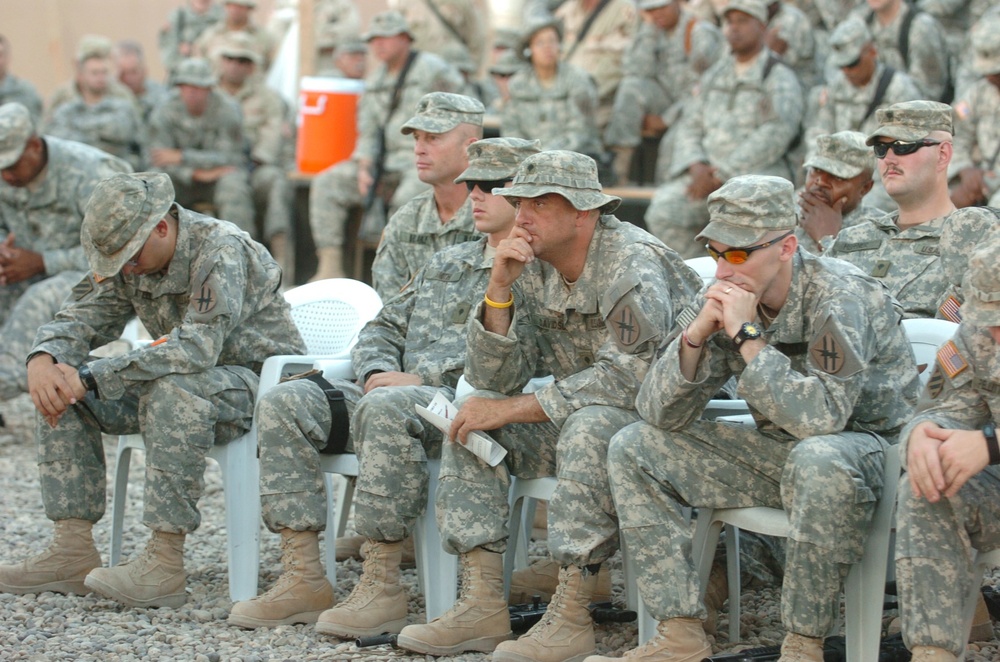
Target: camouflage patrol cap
{"x":535,"y":26}
{"x":506,"y":38}
{"x":351,"y":45}
{"x":440,"y":112}
{"x":194,"y":71}
{"x":653,"y":4}
{"x":120,"y":215}
{"x":569,"y":174}
{"x":745,"y":209}
{"x":982,"y":285}
{"x":16,"y":126}
{"x":93,"y":45}
{"x":497,"y":158}
{"x":986,"y":45}
{"x":847,"y":41}
{"x":843,"y":154}
{"x":507,"y":64}
{"x":246,"y":3}
{"x":755,"y":8}
{"x":912,"y":120}
{"x":239,"y":44}
{"x":387,"y":24}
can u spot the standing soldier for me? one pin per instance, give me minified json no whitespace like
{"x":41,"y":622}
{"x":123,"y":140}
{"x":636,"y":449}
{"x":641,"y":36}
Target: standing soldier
{"x":437,"y":24}
{"x":236,"y":18}
{"x":184,"y":26}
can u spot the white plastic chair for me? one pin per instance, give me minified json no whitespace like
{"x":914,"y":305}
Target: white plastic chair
{"x":328,"y":314}
{"x":437,"y":571}
{"x":926,"y":336}
{"x":704,"y":266}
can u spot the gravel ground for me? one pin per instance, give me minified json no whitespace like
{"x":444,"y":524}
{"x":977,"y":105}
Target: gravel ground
{"x":57,"y":627}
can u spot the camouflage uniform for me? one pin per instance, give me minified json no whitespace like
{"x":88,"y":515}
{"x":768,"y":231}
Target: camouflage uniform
{"x":335,"y":21}
{"x":154,"y":93}
{"x":13,"y":88}
{"x":215,"y":37}
{"x":793,"y":26}
{"x":211,"y":140}
{"x":719,"y":129}
{"x":113,"y":125}
{"x":184,"y":27}
{"x":822,"y":421}
{"x":469,"y":17}
{"x":44,"y":218}
{"x":218,"y":314}
{"x":597,"y":339}
{"x":69,"y":92}
{"x":933,"y":567}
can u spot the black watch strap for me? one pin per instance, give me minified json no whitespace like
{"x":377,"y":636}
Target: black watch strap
{"x":990,"y":432}
{"x":87,"y":378}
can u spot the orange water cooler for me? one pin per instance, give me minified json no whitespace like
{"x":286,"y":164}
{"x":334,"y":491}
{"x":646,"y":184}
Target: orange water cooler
{"x":327,"y":121}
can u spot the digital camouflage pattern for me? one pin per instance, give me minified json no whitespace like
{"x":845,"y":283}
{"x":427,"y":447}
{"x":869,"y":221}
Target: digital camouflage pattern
{"x":45,"y":219}
{"x":977,"y":135}
{"x":493,"y":159}
{"x":470,"y":18}
{"x":847,"y":41}
{"x":16,"y":89}
{"x":113,"y":125}
{"x":793,"y":26}
{"x":217,"y":314}
{"x":912,"y":120}
{"x":16,"y":126}
{"x":835,"y":382}
{"x":184,"y":26}
{"x":212,"y":40}
{"x":440,"y":112}
{"x":843,"y":154}
{"x":569,"y":174}
{"x":746,"y":209}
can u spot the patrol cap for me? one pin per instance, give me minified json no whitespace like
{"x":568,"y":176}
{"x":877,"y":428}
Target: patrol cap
{"x":194,"y":71}
{"x":120,"y":215}
{"x":535,"y":26}
{"x":497,"y":158}
{"x":459,"y":57}
{"x":653,"y":4}
{"x":843,"y":154}
{"x":507,"y":64}
{"x":93,"y":45}
{"x":847,"y":41}
{"x":569,"y":174}
{"x":351,"y":45}
{"x":911,"y":120}
{"x":239,"y":44}
{"x":986,"y":45}
{"x":982,"y":285}
{"x":16,"y":126}
{"x":245,"y":3}
{"x":745,"y":209}
{"x":387,"y":24}
{"x":506,"y":38}
{"x":755,"y":8}
{"x":440,"y":112}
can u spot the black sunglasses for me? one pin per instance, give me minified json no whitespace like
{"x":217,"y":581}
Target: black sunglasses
{"x":901,"y":148}
{"x":484,"y":185}
{"x":741,"y":255}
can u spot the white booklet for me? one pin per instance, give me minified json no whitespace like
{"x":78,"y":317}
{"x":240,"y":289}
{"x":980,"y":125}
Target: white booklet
{"x":440,"y":413}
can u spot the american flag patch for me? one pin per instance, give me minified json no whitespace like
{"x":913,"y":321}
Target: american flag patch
{"x":950,"y":360}
{"x":951,"y":310}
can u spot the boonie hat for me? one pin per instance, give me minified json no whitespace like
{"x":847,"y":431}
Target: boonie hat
{"x":507,"y":64}
{"x":569,"y":174}
{"x":847,"y":41}
{"x":351,"y":45}
{"x":755,"y":8}
{"x":245,"y":3}
{"x":439,"y":112}
{"x":194,"y":71}
{"x":497,"y":158}
{"x":16,"y":126}
{"x":986,"y":45}
{"x":120,"y":215}
{"x":535,"y":26}
{"x":982,"y":286}
{"x":387,"y":24}
{"x":912,"y":120}
{"x":843,"y":154}
{"x":745,"y":209}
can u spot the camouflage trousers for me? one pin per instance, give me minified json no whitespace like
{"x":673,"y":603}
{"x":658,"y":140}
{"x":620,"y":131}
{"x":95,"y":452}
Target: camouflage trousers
{"x":231,"y":196}
{"x":334,"y":192}
{"x":934,"y":570}
{"x":180,"y":417}
{"x":675,"y":219}
{"x":828,"y":484}
{"x":391,"y":440}
{"x":635,"y":98}
{"x":472,"y":505}
{"x":272,"y":201}
{"x":24,"y":307}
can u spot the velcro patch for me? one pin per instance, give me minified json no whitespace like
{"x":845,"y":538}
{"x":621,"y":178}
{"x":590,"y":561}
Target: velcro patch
{"x":831,"y":353}
{"x":951,"y":310}
{"x":206,"y":302}
{"x":629,"y":325}
{"x":936,"y":383}
{"x":84,"y":287}
{"x":950,"y":360}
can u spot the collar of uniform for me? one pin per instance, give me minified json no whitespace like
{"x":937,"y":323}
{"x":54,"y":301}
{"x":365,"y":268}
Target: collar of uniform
{"x":790,"y":324}
{"x":932,"y":228}
{"x":47,"y":191}
{"x":177,"y":280}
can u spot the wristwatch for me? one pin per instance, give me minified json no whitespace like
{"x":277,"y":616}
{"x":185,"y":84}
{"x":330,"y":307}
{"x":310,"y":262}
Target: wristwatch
{"x":748,"y":331}
{"x":990,"y":432}
{"x":87,"y":378}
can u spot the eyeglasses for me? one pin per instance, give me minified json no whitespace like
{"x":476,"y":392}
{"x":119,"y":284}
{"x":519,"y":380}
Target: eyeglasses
{"x":901,"y":148}
{"x":484,"y":185}
{"x":851,"y":65}
{"x":741,"y":255}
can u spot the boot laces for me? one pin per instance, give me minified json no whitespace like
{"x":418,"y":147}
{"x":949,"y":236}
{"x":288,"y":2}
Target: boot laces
{"x":366,"y":586}
{"x":554,"y":610}
{"x":290,"y":569}
{"x":465,"y":581}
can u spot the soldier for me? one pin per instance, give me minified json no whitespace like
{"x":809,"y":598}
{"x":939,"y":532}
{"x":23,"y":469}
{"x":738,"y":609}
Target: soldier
{"x":183,"y":27}
{"x":210,"y":294}
{"x":977,"y":133}
{"x":442,"y":127}
{"x":335,"y":22}
{"x":829,"y":377}
{"x":348,"y":60}
{"x":381,"y":113}
{"x":131,"y":65}
{"x":671,"y":50}
{"x":95,"y":47}
{"x":14,"y":88}
{"x":919,"y":251}
{"x":96,"y":116}
{"x":948,"y":495}
{"x":236,"y":18}
{"x":838,"y":176}
{"x":46,"y":185}
{"x":268,"y":126}
{"x":437,"y":24}
{"x":196,"y":137}
{"x":577,"y":294}
{"x":743,"y":119}
{"x":501,"y":72}
{"x":790,"y":37}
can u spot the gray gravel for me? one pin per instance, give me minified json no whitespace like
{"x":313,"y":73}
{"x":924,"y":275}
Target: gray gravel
{"x":57,"y":627}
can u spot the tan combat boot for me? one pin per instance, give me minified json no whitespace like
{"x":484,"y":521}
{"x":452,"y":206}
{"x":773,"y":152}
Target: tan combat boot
{"x":931,"y":654}
{"x":566,"y":631}
{"x":982,"y":624}
{"x":622,"y":165}
{"x":406,"y":561}
{"x":301,"y":593}
{"x":61,"y":568}
{"x":798,"y":648}
{"x":330,"y":263}
{"x":542,"y":577}
{"x":676,"y":640}
{"x":478,"y":621}
{"x":349,"y":547}
{"x":378,"y":602}
{"x":155,"y":579}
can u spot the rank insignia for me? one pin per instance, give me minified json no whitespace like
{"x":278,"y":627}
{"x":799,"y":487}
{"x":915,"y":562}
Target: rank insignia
{"x":950,"y":360}
{"x":83,"y":288}
{"x":881,"y":269}
{"x":936,"y":383}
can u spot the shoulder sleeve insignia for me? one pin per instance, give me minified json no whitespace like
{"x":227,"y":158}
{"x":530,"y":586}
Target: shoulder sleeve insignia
{"x":830,"y":352}
{"x":950,"y":360}
{"x":206,"y":302}
{"x":83,"y":288}
{"x":951,"y":309}
{"x":626,"y":321}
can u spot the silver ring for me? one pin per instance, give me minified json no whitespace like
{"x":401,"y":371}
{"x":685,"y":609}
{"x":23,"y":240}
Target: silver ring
{"x":728,"y":290}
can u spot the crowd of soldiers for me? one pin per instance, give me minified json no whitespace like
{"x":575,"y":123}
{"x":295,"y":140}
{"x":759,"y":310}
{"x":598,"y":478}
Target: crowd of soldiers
{"x":501,"y":260}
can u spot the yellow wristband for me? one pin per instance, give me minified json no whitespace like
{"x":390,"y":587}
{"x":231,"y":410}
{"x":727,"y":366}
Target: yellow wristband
{"x":494,"y":304}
